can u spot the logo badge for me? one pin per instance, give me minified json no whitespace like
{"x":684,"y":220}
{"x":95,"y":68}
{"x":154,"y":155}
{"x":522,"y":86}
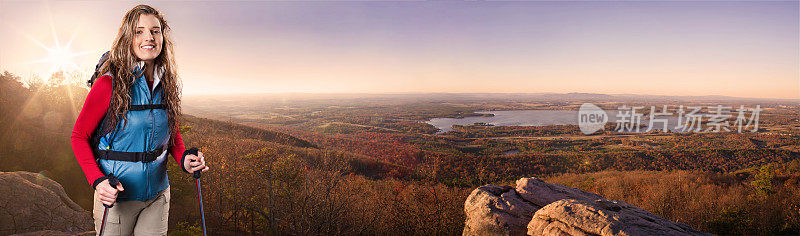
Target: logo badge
{"x":591,"y":118}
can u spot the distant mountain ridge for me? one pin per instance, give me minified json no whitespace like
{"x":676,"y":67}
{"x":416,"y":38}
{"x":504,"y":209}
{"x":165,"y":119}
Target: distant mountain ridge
{"x":476,"y":96}
{"x":249,"y":131}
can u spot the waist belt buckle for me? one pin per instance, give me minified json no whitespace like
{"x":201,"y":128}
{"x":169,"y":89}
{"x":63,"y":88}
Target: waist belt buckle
{"x":150,"y":156}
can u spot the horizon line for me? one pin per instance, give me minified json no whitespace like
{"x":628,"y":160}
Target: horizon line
{"x":711,"y":96}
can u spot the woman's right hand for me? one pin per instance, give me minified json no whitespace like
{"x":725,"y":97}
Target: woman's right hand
{"x":108,"y":194}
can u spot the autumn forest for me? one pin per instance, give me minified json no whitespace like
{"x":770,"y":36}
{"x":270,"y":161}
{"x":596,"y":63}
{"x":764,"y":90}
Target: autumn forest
{"x":371,"y":164}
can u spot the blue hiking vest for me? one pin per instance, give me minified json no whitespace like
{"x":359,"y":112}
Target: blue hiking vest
{"x":145,"y":131}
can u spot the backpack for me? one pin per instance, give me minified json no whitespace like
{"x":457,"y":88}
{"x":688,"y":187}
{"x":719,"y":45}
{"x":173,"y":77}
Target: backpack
{"x":97,"y":74}
{"x":101,"y":129}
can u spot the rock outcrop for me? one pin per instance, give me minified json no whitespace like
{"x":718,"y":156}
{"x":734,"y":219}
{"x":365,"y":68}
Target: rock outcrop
{"x":32,"y":203}
{"x":534,"y":207}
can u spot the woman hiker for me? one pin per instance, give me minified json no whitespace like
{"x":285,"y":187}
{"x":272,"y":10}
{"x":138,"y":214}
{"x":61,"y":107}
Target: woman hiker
{"x":128,"y":124}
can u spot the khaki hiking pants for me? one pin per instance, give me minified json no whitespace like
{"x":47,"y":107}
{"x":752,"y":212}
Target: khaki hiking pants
{"x":134,"y":217}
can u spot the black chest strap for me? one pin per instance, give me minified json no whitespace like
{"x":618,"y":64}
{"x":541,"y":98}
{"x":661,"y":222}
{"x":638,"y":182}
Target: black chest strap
{"x":148,"y":106}
{"x":130,"y":156}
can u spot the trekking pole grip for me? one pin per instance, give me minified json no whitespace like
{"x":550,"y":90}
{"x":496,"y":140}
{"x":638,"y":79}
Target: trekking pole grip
{"x":196,"y":173}
{"x":113,"y":181}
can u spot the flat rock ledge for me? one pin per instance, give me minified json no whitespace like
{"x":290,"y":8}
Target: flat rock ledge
{"x":535,"y":207}
{"x":32,"y":204}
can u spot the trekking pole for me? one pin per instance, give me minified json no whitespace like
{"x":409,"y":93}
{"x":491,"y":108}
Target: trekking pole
{"x":197,"y":176}
{"x":113,"y":181}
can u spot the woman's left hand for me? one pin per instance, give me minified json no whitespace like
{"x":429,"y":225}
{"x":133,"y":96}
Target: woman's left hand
{"x":194,"y":163}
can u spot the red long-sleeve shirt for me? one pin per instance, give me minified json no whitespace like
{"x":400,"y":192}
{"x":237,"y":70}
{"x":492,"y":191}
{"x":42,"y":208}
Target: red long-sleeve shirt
{"x":94,"y":109}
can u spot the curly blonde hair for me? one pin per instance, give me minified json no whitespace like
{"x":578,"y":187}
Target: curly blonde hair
{"x":122,"y":61}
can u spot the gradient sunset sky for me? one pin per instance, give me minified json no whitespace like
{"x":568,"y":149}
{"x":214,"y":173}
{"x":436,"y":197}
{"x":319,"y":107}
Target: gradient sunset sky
{"x":740,"y":48}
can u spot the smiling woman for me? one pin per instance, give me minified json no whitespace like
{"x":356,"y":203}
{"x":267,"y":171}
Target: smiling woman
{"x":128,"y":125}
{"x":148,"y":40}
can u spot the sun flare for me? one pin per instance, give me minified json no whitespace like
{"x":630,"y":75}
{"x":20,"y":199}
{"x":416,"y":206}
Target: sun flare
{"x":60,"y":58}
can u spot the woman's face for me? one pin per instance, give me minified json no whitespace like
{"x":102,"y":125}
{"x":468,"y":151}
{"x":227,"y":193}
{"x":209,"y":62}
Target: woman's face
{"x":147,"y":38}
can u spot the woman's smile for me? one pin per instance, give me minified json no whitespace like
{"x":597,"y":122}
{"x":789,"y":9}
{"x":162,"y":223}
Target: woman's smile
{"x":148,"y":37}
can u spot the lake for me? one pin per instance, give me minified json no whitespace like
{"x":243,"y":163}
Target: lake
{"x":533,"y":118}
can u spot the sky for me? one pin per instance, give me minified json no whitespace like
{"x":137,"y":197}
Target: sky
{"x":683,"y":48}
